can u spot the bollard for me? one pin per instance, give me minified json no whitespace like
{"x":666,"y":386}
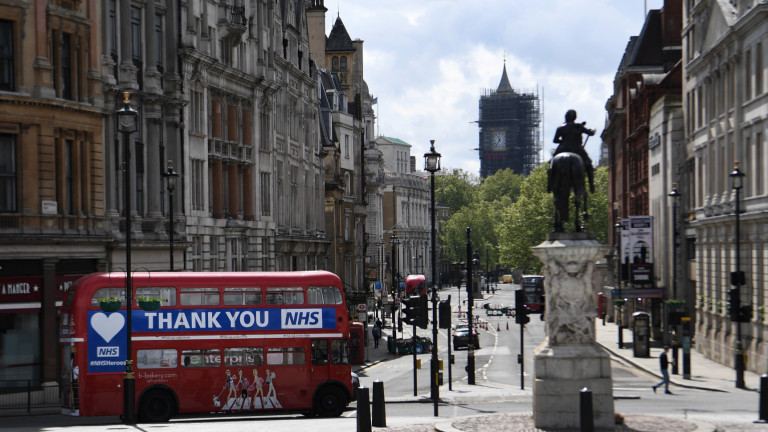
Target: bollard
{"x":585,"y":407}
{"x":363,"y":410}
{"x":379,"y":413}
{"x":764,"y":398}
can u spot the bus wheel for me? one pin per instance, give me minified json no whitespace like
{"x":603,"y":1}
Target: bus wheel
{"x":330,"y":402}
{"x":157,"y":406}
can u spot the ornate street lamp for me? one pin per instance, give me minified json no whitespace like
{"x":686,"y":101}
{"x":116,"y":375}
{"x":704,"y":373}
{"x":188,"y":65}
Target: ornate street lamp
{"x":170,"y":176}
{"x":432,"y":164}
{"x":737,"y":280}
{"x":128,"y":121}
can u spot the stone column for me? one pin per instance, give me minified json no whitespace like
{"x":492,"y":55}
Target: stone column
{"x":569,"y":359}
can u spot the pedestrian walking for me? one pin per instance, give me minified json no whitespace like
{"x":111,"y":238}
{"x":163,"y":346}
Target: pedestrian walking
{"x":664,"y":364}
{"x":376,"y":332}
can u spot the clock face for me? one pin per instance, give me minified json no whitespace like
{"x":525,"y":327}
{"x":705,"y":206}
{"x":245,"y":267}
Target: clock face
{"x":499,"y":140}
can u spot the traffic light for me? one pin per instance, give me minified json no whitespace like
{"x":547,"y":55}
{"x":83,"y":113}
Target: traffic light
{"x":734,"y":307}
{"x":521,"y":312}
{"x":411,"y":311}
{"x":444,"y":314}
{"x":422,"y":317}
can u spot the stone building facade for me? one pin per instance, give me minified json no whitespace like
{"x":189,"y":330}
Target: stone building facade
{"x":726,"y":105}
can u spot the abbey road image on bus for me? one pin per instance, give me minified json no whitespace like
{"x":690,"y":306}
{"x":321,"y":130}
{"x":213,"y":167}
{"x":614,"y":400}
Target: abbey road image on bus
{"x":229,"y":342}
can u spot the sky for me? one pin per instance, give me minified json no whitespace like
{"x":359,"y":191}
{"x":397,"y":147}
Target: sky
{"x":428,"y":62}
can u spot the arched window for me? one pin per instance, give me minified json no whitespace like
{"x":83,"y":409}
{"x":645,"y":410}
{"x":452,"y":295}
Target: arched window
{"x":343,"y":63}
{"x":347,"y":184}
{"x":334,"y":63}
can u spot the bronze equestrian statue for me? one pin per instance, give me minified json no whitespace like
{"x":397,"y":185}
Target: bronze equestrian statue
{"x":567,"y":171}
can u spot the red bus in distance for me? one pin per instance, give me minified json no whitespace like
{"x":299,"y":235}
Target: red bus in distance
{"x":228,"y":342}
{"x":415,"y":285}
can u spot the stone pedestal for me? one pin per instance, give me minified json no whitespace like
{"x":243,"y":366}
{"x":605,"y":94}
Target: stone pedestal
{"x":570,"y":359}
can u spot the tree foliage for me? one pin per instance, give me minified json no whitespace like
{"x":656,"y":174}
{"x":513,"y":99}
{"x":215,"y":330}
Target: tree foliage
{"x":508,"y":214}
{"x":455,"y":189}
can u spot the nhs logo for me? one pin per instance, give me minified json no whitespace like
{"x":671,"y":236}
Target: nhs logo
{"x":108,"y":351}
{"x":301,"y":318}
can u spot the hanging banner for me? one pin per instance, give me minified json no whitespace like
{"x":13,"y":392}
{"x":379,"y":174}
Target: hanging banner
{"x":641,"y":249}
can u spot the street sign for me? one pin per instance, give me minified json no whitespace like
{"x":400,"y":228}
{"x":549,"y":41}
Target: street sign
{"x":361,"y":307}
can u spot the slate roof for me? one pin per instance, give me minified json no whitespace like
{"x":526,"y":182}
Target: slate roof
{"x":339,"y":40}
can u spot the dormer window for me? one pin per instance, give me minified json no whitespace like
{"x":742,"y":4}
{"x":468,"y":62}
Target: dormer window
{"x":334,"y":63}
{"x":343,"y":63}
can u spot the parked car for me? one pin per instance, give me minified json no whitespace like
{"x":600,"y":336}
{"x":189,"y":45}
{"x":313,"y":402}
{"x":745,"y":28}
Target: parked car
{"x":461,"y":337}
{"x":408,"y":346}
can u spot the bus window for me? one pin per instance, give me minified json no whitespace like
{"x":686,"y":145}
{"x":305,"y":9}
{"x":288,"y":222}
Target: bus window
{"x":167,"y":294}
{"x":156,"y":358}
{"x":243,"y":356}
{"x":199,"y":296}
{"x":340,"y":351}
{"x":319,"y":352}
{"x":286,"y":356}
{"x":285,"y":295}
{"x":201,"y":358}
{"x":108,"y":292}
{"x":323,"y":295}
{"x":242,"y":296}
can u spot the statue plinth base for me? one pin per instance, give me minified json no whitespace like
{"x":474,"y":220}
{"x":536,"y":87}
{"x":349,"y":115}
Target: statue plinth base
{"x":570,"y":360}
{"x":560,"y":373}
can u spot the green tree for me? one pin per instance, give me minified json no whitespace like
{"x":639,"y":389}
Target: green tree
{"x":480,"y":217}
{"x":503,"y":184}
{"x":455,"y":189}
{"x":527,"y":221}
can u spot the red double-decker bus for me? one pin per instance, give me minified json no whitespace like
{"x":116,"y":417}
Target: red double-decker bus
{"x":219,"y":342}
{"x":415,"y":285}
{"x":533,"y":289}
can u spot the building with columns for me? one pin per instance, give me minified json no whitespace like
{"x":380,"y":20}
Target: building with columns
{"x":253,"y":174}
{"x":725,"y":99}
{"x":405,"y":211}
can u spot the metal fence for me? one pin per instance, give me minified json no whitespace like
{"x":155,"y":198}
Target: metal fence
{"x":23,"y":396}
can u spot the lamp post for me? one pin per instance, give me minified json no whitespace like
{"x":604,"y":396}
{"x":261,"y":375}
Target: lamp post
{"x":737,"y":279}
{"x":128,"y":117}
{"x":675,"y":195}
{"x":170,"y":176}
{"x":432,"y":164}
{"x":470,"y":300}
{"x":395,"y":289}
{"x":617,"y":225}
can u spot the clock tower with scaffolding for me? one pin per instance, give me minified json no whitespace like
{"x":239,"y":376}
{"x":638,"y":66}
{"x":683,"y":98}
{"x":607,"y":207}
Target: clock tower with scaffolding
{"x":509,"y":130}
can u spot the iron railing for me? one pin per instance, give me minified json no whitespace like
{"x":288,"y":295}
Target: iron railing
{"x":25,"y":395}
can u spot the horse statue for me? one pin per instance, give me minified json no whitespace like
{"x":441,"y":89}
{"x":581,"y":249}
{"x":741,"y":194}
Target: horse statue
{"x":567,"y":174}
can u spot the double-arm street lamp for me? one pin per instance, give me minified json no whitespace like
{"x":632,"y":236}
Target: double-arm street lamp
{"x":432,"y":164}
{"x":128,"y":118}
{"x":170,"y":176}
{"x":737,"y":280}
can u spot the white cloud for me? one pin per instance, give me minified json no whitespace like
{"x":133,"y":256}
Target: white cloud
{"x":429,"y":61}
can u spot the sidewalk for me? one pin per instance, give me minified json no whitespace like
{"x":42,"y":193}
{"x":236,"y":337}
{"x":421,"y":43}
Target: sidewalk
{"x":705,"y":375}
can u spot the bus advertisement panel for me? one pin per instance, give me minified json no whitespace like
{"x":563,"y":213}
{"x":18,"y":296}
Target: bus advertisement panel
{"x":228,"y":342}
